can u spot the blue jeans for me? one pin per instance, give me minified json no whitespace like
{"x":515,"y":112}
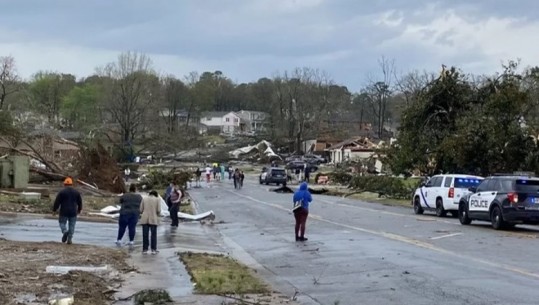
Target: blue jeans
{"x":128,"y":221}
{"x":63,"y":222}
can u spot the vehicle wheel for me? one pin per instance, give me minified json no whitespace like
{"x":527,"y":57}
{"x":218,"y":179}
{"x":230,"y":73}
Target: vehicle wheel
{"x":260,"y":180}
{"x":496,"y":218}
{"x":454,"y":214}
{"x":463,"y":214}
{"x":417,"y":206}
{"x":267,"y":183}
{"x":440,"y":211}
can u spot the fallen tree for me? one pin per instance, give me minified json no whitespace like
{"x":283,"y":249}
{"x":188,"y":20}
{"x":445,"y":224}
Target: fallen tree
{"x":92,"y":166}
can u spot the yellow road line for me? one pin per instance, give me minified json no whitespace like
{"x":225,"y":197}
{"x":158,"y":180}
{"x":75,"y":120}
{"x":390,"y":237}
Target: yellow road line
{"x":401,"y":238}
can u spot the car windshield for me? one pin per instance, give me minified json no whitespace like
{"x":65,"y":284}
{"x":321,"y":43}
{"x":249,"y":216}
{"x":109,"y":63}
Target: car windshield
{"x":467,"y":182}
{"x":527,"y":186}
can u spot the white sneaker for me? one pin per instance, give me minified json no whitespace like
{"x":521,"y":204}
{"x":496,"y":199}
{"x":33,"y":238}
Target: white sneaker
{"x":130,"y":244}
{"x":119,"y":243}
{"x":154,"y":252}
{"x":145,"y":252}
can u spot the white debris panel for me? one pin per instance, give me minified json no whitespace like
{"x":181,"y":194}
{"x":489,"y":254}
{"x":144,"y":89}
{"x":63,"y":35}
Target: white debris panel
{"x":263,"y":148}
{"x":114,"y":213}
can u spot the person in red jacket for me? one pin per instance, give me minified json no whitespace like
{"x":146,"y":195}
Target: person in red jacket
{"x":68,"y":204}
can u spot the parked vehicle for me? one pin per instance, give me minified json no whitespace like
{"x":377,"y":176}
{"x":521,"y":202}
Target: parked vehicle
{"x":504,"y":200}
{"x":293,"y":165}
{"x":442,"y":193}
{"x":273,"y":175}
{"x":293,"y":158}
{"x":314,"y":159}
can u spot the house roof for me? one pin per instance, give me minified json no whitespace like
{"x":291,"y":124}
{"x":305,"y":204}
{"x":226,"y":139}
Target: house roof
{"x":214,"y":114}
{"x":243,"y":115}
{"x":358,"y":143}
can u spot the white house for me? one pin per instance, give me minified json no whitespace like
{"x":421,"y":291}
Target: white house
{"x":212,"y":119}
{"x":234,"y":122}
{"x":254,"y":120}
{"x":231,"y":123}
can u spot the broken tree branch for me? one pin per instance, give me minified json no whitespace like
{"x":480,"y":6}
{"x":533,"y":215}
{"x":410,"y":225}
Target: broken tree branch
{"x":35,"y":155}
{"x":50,"y":164}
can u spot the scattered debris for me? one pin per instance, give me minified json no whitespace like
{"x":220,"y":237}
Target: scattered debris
{"x":62,"y":301}
{"x":286,"y":190}
{"x":31,"y":278}
{"x":283,"y":189}
{"x":67,"y":269}
{"x":114,"y":212}
{"x":261,"y":150}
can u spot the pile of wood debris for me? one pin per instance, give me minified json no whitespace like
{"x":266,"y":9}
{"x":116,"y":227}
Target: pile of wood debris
{"x":55,"y":158}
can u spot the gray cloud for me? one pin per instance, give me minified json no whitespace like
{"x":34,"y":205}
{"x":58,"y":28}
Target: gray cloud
{"x":250,"y":39}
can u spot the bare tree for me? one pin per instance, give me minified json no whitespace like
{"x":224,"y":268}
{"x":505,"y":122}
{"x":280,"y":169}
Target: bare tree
{"x":132,"y":89}
{"x":175,"y":99}
{"x":410,"y":84}
{"x":379,"y":92}
{"x":8,"y":79}
{"x":304,"y":99}
{"x":190,"y":80}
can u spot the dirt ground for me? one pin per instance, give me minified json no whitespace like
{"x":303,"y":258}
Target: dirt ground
{"x":15,"y":204}
{"x":23,"y":279}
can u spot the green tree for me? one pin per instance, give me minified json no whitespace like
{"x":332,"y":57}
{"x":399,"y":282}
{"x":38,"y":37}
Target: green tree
{"x":494,"y":137}
{"x":428,"y":123}
{"x":81,"y":109}
{"x":46,"y":92}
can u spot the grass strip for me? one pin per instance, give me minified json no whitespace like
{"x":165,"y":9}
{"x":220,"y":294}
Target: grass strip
{"x":219,"y":274}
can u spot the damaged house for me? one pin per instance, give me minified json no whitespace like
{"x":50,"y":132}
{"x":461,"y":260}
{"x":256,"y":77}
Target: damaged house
{"x":357,"y":149}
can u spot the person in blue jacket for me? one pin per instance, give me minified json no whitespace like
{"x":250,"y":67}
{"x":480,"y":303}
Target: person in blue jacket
{"x":302,"y":199}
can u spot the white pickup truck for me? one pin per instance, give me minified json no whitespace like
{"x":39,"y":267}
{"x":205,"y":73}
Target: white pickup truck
{"x":442,"y":193}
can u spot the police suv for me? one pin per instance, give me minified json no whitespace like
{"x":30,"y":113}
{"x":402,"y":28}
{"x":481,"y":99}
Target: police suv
{"x":442,"y":193}
{"x":504,"y":200}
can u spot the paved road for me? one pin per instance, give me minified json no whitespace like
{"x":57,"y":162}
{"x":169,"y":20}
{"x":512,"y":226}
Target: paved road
{"x":361,"y":253}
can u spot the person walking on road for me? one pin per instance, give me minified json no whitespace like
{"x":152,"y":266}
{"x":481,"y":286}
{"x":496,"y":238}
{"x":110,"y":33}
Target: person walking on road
{"x":175,"y":200}
{"x":198,"y":175}
{"x":222,"y":168}
{"x":208,"y":173}
{"x":166,"y":197}
{"x":68,"y":204}
{"x":129,"y":214}
{"x":150,"y":210}
{"x":237,"y":178}
{"x":302,"y":199}
{"x":127,"y":173}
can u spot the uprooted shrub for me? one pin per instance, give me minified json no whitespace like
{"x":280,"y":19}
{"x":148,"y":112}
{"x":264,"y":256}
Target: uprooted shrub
{"x":391,"y":187}
{"x":157,"y":179}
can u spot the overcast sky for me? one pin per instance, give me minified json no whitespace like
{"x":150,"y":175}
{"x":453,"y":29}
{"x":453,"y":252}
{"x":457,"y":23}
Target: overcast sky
{"x":249,"y":39}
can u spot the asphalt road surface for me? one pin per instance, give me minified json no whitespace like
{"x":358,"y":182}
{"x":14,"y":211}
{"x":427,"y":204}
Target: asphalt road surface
{"x":362,"y":253}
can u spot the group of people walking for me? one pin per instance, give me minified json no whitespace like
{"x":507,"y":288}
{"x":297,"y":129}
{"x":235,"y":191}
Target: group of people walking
{"x":218,"y":171}
{"x":146,"y":210}
{"x":135,"y":209}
